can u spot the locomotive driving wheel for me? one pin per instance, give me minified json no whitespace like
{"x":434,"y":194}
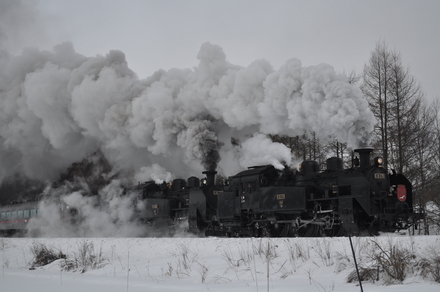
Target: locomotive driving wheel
{"x":280,"y":230}
{"x":272,"y":230}
{"x":336,"y":230}
{"x":310,"y":230}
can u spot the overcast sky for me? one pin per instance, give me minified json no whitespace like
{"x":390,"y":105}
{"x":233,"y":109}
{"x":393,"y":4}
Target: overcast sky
{"x":165,"y":34}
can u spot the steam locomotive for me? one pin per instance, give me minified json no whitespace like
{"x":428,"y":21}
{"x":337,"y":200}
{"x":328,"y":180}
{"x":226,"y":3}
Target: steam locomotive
{"x":264,"y":201}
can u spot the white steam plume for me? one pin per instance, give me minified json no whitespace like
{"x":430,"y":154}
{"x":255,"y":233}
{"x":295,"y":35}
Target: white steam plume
{"x":109,"y":214}
{"x":156,"y":173}
{"x":56,"y":107}
{"x":261,"y":150}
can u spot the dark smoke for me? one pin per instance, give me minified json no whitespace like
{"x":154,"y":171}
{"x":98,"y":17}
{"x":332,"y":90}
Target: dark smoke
{"x":211,"y":155}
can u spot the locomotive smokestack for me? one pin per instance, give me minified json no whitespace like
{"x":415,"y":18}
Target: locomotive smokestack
{"x":364,"y":157}
{"x":210,"y":177}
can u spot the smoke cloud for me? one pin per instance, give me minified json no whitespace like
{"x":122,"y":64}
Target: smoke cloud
{"x":58,"y":107}
{"x":108,"y":214}
{"x":113,"y":212}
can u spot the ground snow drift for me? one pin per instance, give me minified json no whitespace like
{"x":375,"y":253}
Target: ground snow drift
{"x":218,"y":264}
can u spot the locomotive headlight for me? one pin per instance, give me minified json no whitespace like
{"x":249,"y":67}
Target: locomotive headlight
{"x":378,"y":161}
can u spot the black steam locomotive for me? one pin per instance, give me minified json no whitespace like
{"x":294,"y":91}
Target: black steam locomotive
{"x":264,"y":201}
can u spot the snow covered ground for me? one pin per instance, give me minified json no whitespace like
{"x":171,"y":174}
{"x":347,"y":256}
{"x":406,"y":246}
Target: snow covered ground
{"x":214,"y":264}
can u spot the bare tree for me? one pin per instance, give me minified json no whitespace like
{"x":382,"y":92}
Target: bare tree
{"x":421,"y":170}
{"x":305,"y":147}
{"x":406,"y":130}
{"x":375,"y":86}
{"x":353,"y":77}
{"x":405,"y":97}
{"x":436,"y":135}
{"x":395,"y":98}
{"x":431,"y":188}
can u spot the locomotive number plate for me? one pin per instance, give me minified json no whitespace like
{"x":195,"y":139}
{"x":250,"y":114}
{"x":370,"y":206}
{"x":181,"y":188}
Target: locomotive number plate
{"x":379,"y":175}
{"x":155,"y":206}
{"x":281,"y":196}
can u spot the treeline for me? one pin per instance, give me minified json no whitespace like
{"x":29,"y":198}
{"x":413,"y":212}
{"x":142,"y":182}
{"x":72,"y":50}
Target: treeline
{"x":407,"y":133}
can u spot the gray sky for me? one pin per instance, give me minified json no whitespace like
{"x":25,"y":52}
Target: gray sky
{"x":165,"y":34}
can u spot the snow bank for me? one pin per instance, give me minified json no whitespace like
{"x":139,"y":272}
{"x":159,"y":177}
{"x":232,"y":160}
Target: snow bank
{"x":212,"y":264}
